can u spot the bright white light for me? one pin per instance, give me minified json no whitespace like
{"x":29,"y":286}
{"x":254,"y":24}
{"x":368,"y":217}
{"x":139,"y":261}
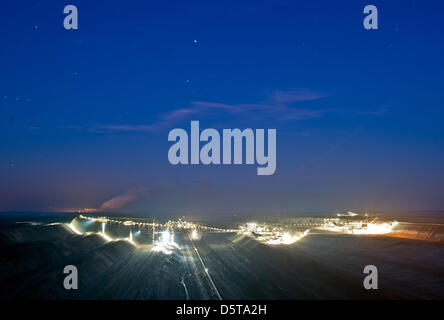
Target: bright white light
{"x":74,"y":229}
{"x":161,"y":248}
{"x":359,"y":227}
{"x":287,"y":238}
{"x":104,"y":236}
{"x":348,"y":214}
{"x":194,"y":235}
{"x":373,"y":228}
{"x":165,"y":243}
{"x":251,"y":226}
{"x":166,"y":237}
{"x":272,"y":235}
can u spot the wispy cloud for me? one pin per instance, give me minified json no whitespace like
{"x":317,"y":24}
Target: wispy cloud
{"x":126,"y":127}
{"x":295,"y":96}
{"x":374,"y":112}
{"x":279,"y":106}
{"x":122,"y":200}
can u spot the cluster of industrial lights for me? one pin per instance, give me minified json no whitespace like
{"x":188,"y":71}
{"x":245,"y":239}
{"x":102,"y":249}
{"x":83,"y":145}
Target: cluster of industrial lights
{"x":165,"y":243}
{"x":271,"y":235}
{"x":357,"y":226}
{"x":102,"y":233}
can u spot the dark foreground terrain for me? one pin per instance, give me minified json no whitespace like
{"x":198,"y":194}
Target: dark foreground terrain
{"x":218,"y":266}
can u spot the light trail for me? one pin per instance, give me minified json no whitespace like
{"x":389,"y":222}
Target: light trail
{"x":102,"y":234}
{"x":423,"y":224}
{"x":206,"y":271}
{"x":74,"y":229}
{"x":185,"y":287}
{"x":105,"y":236}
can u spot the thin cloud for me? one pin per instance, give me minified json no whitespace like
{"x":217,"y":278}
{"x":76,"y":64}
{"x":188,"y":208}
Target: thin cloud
{"x":122,"y":200}
{"x":279,"y":106}
{"x":126,"y":127}
{"x":295,"y":96}
{"x":379,"y":111}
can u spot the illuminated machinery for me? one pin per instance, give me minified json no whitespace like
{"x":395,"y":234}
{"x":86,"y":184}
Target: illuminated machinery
{"x":271,"y":235}
{"x":357,"y":226}
{"x":194,"y":235}
{"x":165,"y":243}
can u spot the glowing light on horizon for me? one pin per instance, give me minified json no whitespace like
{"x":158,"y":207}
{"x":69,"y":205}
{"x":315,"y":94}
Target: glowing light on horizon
{"x":358,"y":227}
{"x":88,"y":210}
{"x":373,"y":228}
{"x":348,"y":214}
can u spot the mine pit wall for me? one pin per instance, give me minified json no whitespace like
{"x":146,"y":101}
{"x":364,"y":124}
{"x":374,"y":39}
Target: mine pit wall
{"x":417,"y":231}
{"x":33,"y":233}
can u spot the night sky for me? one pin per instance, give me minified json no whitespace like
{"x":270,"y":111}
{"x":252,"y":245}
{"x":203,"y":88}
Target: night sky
{"x":85,"y":114}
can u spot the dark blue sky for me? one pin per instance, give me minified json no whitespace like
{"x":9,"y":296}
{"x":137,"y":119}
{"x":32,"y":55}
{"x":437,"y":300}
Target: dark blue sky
{"x":85,"y":114}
